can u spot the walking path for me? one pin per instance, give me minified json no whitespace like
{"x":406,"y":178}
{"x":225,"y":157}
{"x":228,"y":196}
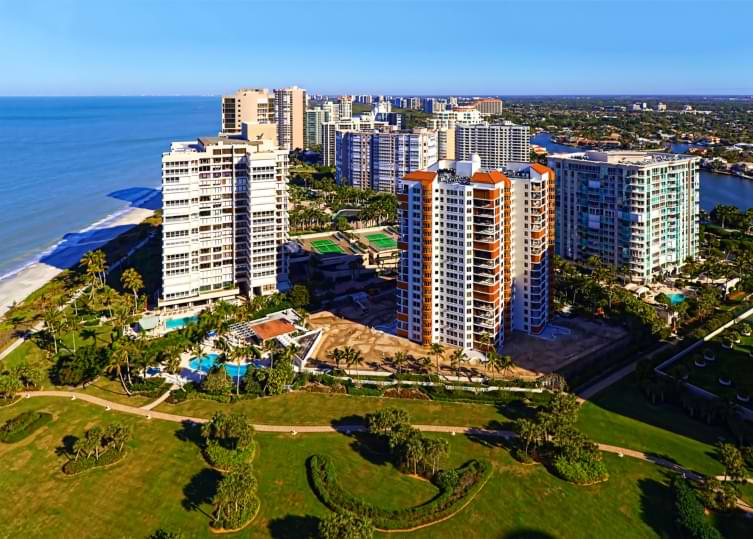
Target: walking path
{"x":160,"y":400}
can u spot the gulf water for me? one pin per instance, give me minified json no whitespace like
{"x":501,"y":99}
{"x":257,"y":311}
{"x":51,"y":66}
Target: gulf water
{"x":67,"y":163}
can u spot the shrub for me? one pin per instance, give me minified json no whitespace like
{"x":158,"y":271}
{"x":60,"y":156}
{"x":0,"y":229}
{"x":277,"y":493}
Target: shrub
{"x":236,"y":503}
{"x":470,"y":478}
{"x":73,"y":467}
{"x":340,"y":525}
{"x":151,"y":387}
{"x":23,"y":425}
{"x":690,"y":512}
{"x":582,"y":471}
{"x":226,"y":459}
{"x":230,"y":441}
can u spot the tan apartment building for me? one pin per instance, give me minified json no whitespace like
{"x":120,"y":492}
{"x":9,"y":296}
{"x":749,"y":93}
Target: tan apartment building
{"x":290,"y":113}
{"x":254,"y":106}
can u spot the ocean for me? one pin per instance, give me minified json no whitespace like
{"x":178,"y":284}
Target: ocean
{"x":70,"y":164}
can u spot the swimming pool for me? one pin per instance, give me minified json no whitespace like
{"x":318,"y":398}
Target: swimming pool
{"x":676,"y":298}
{"x":178,"y":323}
{"x":205,"y":363}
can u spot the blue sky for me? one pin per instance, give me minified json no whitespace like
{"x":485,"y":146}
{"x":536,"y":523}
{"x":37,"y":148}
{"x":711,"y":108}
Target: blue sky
{"x":166,"y":47}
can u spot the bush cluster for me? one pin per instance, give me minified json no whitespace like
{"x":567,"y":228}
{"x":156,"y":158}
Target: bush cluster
{"x":151,"y":387}
{"x":455,"y":488}
{"x":582,"y":471}
{"x":19,"y":427}
{"x":73,"y":467}
{"x":690,"y":512}
{"x":236,"y":502}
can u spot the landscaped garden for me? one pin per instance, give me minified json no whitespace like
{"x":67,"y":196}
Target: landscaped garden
{"x":165,"y":482}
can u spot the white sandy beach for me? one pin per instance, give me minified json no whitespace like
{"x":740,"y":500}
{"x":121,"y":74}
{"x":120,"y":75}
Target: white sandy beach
{"x":18,"y":286}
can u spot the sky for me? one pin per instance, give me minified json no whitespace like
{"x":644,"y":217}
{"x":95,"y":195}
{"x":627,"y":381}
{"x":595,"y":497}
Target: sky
{"x":422,"y":47}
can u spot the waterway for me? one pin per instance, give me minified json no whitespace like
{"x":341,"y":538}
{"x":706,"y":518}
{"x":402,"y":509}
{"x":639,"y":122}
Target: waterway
{"x":715,"y":188}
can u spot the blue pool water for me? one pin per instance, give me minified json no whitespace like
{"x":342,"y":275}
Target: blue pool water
{"x":205,"y":364}
{"x":676,"y":298}
{"x":178,"y":323}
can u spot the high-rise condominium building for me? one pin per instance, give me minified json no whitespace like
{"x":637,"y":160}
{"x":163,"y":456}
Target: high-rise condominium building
{"x":248,"y":105}
{"x":476,"y":252}
{"x":290,"y":112}
{"x":362,"y":122}
{"x":446,"y":143}
{"x":225,"y":203}
{"x":378,"y":159}
{"x":344,"y":107}
{"x":488,"y":106}
{"x":315,"y":118}
{"x":633,"y":210}
{"x":458,"y":115}
{"x":496,"y":144}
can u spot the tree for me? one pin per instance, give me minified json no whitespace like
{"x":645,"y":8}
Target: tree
{"x":95,"y":265}
{"x":53,"y":323}
{"x":9,"y":385}
{"x":352,"y":357}
{"x":345,"y":525}
{"x":131,"y":280}
{"x":299,"y":296}
{"x":456,"y":359}
{"x":119,"y":356}
{"x":437,"y":350}
{"x":335,"y":355}
{"x":236,"y":501}
{"x":733,"y":462}
{"x":400,"y":359}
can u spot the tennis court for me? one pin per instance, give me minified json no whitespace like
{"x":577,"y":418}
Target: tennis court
{"x":382,"y":241}
{"x":326,"y":246}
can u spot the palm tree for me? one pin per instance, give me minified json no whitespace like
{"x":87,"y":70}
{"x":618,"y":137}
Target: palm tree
{"x":120,"y":354}
{"x":335,"y":355}
{"x":95,"y":263}
{"x":400,"y":360}
{"x":71,"y":323}
{"x":506,"y":364}
{"x":352,"y":357}
{"x":108,"y":297}
{"x":493,"y":361}
{"x":457,"y":357}
{"x":52,"y":323}
{"x":437,"y":350}
{"x":131,"y":280}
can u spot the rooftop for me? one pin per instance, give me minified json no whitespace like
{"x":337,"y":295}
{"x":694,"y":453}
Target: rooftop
{"x":624,"y":157}
{"x":272,"y":328}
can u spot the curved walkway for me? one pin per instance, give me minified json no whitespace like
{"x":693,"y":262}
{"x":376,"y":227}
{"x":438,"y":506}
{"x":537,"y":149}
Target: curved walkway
{"x":148,"y":413}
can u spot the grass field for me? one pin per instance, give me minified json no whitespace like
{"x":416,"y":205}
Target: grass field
{"x":622,"y":416}
{"x":318,"y":409}
{"x":164,"y":482}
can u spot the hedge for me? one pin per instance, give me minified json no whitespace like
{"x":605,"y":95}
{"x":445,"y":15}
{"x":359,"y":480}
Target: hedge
{"x":456,"y":487}
{"x":23,"y":425}
{"x":225,"y":459}
{"x":691,"y":515}
{"x":152,"y":387}
{"x":73,"y":467}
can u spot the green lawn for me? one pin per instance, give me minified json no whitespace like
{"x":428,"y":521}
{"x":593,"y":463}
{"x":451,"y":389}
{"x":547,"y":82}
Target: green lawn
{"x":164,"y":482}
{"x":622,"y":416}
{"x":302,"y":408}
{"x":734,"y":364}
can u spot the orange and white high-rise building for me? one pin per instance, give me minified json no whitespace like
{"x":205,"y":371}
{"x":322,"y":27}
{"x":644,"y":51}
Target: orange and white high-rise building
{"x":476,"y":250}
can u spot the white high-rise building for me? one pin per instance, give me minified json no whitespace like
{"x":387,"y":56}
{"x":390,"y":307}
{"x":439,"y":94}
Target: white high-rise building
{"x":378,"y":159}
{"x":225,"y":204}
{"x":634,"y":210}
{"x":497,"y":144}
{"x":363,"y":122}
{"x":458,"y":115}
{"x":476,"y":252}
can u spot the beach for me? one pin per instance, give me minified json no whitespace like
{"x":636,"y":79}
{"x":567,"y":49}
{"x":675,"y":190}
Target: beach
{"x":16,"y":287}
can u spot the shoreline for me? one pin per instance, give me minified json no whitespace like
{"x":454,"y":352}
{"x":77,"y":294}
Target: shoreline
{"x":19,"y":284}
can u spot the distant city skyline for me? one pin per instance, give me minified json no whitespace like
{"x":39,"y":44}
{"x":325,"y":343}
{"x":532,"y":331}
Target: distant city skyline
{"x":170,"y":47}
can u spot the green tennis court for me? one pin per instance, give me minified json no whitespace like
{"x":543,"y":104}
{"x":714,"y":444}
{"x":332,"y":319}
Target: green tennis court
{"x":326,"y":247}
{"x":382,"y":241}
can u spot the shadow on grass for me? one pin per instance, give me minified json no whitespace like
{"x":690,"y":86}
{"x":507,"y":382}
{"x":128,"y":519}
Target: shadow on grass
{"x":525,"y":533}
{"x":200,"y":490}
{"x":190,"y":432}
{"x":625,"y":399}
{"x":657,"y":509}
{"x":66,"y":449}
{"x":293,"y":526}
